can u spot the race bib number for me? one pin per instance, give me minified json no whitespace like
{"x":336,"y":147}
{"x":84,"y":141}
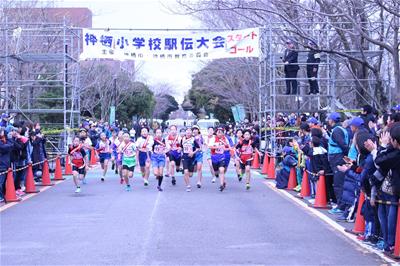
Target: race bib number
{"x":248,"y":150}
{"x":159,"y":149}
{"x":220,"y":150}
{"x":187,"y":148}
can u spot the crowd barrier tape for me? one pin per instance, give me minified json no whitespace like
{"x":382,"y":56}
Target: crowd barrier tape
{"x":34,"y":164}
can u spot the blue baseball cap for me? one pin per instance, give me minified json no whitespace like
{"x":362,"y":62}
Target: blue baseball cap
{"x":287,"y":149}
{"x":313,"y":120}
{"x":4,"y":115}
{"x":397,"y":107}
{"x":334,"y":116}
{"x":357,"y":122}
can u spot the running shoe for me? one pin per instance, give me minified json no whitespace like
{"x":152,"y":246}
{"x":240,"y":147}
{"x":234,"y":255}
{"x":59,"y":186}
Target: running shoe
{"x":224,"y":185}
{"x":188,"y":189}
{"x":198,"y":185}
{"x":380,"y":245}
{"x":128,"y":188}
{"x":247,"y":186}
{"x":102,"y":179}
{"x":335,"y":211}
{"x":221,"y":188}
{"x":116,"y":171}
{"x":78,"y":190}
{"x":173,"y":181}
{"x":181,"y":170}
{"x":159,"y":188}
{"x":213,"y":180}
{"x":298,"y":188}
{"x":121,"y":181}
{"x":2,"y":200}
{"x":19,"y":193}
{"x":113,"y":166}
{"x":146,"y":183}
{"x":342,"y":218}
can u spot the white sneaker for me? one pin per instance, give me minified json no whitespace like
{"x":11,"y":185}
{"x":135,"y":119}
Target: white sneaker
{"x":213,"y":180}
{"x":23,"y":188}
{"x":146,"y":183}
{"x":188,"y":189}
{"x":78,"y":190}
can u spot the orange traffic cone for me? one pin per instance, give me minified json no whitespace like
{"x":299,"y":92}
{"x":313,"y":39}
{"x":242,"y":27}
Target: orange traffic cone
{"x":58,"y":171}
{"x":292,"y":179}
{"x":396,"y":253}
{"x":10,"y":195}
{"x":68,"y":167}
{"x":93,"y":160}
{"x":46,"y":175}
{"x":264,"y":170}
{"x":320,"y":197}
{"x":271,"y":168}
{"x":256,"y":161}
{"x":30,"y":182}
{"x":305,"y":186}
{"x":359,"y":225}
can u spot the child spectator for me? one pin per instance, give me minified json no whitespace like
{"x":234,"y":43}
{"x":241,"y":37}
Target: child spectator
{"x":289,"y":161}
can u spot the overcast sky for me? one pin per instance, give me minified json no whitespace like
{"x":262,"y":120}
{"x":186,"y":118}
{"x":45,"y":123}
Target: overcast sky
{"x":152,"y":14}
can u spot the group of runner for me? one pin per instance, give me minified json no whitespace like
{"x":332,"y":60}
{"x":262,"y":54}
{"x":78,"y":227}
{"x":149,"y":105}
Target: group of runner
{"x":167,"y":153}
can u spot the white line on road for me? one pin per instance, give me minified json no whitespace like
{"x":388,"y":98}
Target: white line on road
{"x":149,"y":233}
{"x":329,"y":221}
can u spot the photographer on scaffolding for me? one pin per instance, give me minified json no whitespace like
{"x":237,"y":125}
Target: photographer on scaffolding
{"x":291,"y":68}
{"x":313,"y":60}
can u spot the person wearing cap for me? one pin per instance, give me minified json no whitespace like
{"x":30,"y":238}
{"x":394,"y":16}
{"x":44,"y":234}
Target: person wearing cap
{"x":289,"y":161}
{"x":291,"y":67}
{"x":4,"y":120}
{"x":356,"y":125}
{"x":313,"y":122}
{"x":313,"y":60}
{"x":338,"y":147}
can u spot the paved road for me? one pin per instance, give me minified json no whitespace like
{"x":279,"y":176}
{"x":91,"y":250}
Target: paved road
{"x":106,"y":225}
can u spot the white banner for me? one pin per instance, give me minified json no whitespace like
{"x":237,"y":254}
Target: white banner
{"x":169,"y":45}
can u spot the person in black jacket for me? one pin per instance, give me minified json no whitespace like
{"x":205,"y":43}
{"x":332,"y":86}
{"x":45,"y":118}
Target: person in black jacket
{"x":5,"y":163}
{"x":291,"y":68}
{"x":388,"y":173}
{"x":313,"y":60}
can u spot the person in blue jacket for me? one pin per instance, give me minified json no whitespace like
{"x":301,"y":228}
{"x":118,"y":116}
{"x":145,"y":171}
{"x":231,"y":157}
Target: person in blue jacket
{"x":338,"y":147}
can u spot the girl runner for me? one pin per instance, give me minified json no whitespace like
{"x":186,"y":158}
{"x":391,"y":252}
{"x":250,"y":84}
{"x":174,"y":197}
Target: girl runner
{"x":227,"y":152}
{"x":114,"y":144}
{"x":118,"y":157}
{"x":238,"y":139}
{"x":78,"y":158}
{"x":198,"y":159}
{"x":246,"y":149}
{"x":87,"y":146}
{"x":127,"y":151}
{"x":103,"y":147}
{"x":158,"y":157}
{"x":182,"y":133}
{"x":208,"y":152}
{"x":167,"y":158}
{"x":190,"y":148}
{"x":174,"y":151}
{"x":144,"y":144}
{"x":218,"y":145}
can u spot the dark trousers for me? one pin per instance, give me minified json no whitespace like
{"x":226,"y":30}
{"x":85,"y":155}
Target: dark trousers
{"x":330,"y":193}
{"x":338,"y":177}
{"x":291,"y":82}
{"x":312,"y":79}
{"x":2,"y":183}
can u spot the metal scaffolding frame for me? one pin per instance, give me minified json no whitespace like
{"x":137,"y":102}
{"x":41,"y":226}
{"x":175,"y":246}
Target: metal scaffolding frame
{"x":271,"y":98}
{"x":37,"y":58}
